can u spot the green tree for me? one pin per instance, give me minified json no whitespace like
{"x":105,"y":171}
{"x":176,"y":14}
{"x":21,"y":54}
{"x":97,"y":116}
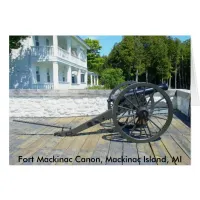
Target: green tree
{"x":112,"y":77}
{"x":139,"y":56}
{"x":122,"y":56}
{"x":152,"y":58}
{"x":174,"y":57}
{"x":147,"y":44}
{"x":160,"y":63}
{"x":94,"y":60}
{"x":184,"y":68}
{"x":15,"y":42}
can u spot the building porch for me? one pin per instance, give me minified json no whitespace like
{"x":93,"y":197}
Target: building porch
{"x":58,"y":76}
{"x":93,"y":79}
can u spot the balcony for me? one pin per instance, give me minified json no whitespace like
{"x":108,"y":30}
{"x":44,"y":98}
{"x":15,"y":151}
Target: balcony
{"x":43,"y":53}
{"x":47,"y":86}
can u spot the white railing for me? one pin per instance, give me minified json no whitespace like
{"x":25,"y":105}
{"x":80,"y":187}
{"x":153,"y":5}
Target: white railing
{"x":61,"y":82}
{"x":63,"y":53}
{"x":78,"y":61}
{"x":47,"y":86}
{"x":42,"y":51}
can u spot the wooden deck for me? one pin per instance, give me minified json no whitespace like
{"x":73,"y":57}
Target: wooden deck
{"x":94,"y":145}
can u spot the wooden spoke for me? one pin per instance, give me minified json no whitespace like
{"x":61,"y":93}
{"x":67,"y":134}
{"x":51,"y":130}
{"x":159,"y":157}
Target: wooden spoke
{"x":154,"y":124}
{"x":130,"y":102}
{"x":158,"y":101}
{"x":136,"y":98}
{"x":126,"y":123}
{"x":125,"y":108}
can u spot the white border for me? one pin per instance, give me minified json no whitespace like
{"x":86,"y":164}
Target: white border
{"x":98,"y":18}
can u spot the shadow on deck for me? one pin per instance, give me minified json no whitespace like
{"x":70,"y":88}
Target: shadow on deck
{"x":36,"y":145}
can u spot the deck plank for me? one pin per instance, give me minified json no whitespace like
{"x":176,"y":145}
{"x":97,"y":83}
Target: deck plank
{"x":130,"y":151}
{"x":38,"y":133}
{"x":184,"y":144}
{"x":87,"y":149}
{"x":160,"y":152}
{"x":115,"y":150}
{"x":76,"y":142}
{"x":29,"y":140}
{"x":34,"y":141}
{"x":48,"y":149}
{"x":103,"y":144}
{"x":21,"y":137}
{"x":175,"y":151}
{"x":145,"y":151}
{"x":178,"y":137}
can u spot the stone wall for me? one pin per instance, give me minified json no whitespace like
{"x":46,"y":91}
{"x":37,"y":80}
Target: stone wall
{"x":60,"y":103}
{"x":46,"y":103}
{"x":183,"y":99}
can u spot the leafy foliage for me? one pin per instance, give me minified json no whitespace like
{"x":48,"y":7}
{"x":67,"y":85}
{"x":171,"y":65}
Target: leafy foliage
{"x":95,"y":61}
{"x":97,"y":87}
{"x":152,"y":58}
{"x":112,"y":77}
{"x":122,"y":56}
{"x":15,"y":41}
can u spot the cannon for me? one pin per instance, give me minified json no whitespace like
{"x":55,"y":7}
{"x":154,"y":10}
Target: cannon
{"x":141,"y":112}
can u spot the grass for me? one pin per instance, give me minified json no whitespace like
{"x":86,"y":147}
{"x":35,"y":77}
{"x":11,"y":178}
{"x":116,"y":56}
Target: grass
{"x":98,"y":87}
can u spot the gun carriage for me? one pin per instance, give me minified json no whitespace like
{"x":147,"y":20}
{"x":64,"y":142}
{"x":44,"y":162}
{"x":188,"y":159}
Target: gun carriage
{"x":134,"y":108}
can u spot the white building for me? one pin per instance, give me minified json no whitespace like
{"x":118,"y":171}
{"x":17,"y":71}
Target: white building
{"x":51,"y":62}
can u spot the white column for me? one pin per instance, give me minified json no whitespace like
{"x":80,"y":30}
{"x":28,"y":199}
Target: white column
{"x":69,"y":75}
{"x":55,"y":75}
{"x":91,"y":81}
{"x":69,"y":44}
{"x":95,"y":83}
{"x":55,"y":45}
{"x":79,"y":77}
{"x":97,"y":80}
{"x":86,"y":77}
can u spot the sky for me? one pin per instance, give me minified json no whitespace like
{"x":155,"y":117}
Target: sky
{"x":107,"y":42}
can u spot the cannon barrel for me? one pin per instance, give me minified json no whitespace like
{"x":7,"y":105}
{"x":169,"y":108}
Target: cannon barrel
{"x":148,"y":91}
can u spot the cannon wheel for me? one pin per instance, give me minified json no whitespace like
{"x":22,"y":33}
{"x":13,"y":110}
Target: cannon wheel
{"x":118,"y":89}
{"x":146,"y":117}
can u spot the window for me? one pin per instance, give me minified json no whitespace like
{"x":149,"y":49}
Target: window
{"x":82,"y":57}
{"x":47,"y":42}
{"x":73,"y":78}
{"x":74,"y":52}
{"x":37,"y":41}
{"x":37,"y":74}
{"x":48,"y":75}
{"x":82,"y":78}
{"x":63,"y":76}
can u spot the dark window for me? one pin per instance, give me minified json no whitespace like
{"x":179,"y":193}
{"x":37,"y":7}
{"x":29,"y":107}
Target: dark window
{"x":48,"y":76}
{"x":47,"y":42}
{"x":37,"y":41}
{"x":63,"y":76}
{"x":37,"y":74}
{"x":82,"y":78}
{"x":73,"y":78}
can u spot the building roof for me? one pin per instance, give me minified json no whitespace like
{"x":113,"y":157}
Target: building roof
{"x":82,"y":41}
{"x":94,"y":73}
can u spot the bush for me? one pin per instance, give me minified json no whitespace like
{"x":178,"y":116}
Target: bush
{"x":112,"y":77}
{"x":97,"y":87}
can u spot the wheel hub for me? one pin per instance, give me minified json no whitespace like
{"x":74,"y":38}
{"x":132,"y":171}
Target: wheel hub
{"x":142,"y":114}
